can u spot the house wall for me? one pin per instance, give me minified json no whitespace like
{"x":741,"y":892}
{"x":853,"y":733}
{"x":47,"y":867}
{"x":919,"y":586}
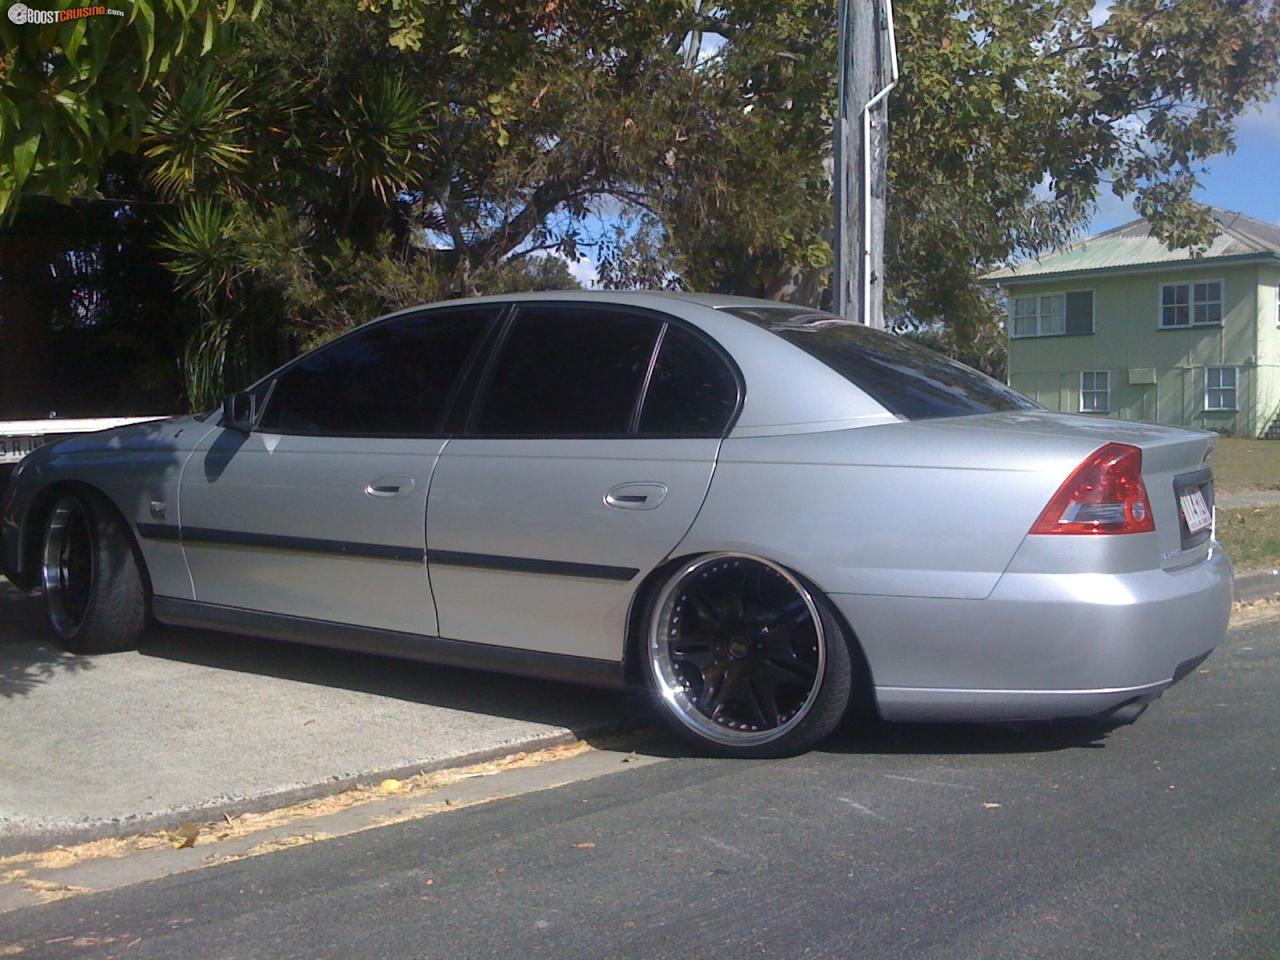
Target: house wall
{"x":1128,"y":338}
{"x":1268,"y":401}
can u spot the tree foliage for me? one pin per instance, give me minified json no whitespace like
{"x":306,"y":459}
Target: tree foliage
{"x":1010,"y":117}
{"x":75,"y":92}
{"x":333,"y":160}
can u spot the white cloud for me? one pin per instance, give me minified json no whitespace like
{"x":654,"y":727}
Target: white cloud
{"x":584,"y":271}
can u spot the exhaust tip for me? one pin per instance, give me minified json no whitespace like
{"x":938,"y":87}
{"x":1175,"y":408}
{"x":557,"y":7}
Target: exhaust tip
{"x":1126,"y":713}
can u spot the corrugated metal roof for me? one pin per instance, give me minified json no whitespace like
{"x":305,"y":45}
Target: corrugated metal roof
{"x":1132,"y":245}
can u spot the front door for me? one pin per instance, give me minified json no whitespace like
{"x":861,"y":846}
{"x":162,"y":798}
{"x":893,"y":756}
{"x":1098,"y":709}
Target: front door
{"x":320,"y":512}
{"x":585,"y":461}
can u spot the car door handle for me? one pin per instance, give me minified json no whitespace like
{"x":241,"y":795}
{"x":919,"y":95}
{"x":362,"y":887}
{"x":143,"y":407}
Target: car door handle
{"x":387,"y":487}
{"x":636,"y":496}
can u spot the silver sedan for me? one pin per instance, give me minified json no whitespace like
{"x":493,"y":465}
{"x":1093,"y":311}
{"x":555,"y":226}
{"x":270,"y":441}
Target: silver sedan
{"x":763,"y":513}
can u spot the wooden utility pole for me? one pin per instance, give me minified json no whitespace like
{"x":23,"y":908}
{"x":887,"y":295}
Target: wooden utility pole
{"x":868,"y":69}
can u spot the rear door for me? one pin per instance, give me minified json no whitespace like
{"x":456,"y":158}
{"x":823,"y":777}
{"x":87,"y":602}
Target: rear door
{"x":320,"y":512}
{"x":585,"y":459}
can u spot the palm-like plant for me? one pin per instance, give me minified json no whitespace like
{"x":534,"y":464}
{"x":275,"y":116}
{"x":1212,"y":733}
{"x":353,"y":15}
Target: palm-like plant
{"x":202,"y":250}
{"x":196,"y":134}
{"x":202,"y":253}
{"x":378,"y":131}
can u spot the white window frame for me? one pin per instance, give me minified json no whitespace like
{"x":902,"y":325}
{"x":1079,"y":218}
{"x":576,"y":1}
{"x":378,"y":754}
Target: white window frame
{"x":1094,"y":391}
{"x":1234,"y":388}
{"x":1039,"y":316}
{"x":1192,"y":303}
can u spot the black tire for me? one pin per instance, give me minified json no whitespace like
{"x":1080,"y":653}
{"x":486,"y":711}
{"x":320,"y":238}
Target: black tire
{"x":94,"y":590}
{"x":723,"y":681}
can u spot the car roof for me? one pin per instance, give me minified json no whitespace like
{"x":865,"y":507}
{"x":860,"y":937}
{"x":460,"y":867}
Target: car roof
{"x":635,"y":297}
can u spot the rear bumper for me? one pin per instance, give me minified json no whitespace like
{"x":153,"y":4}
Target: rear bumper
{"x":1042,"y":646}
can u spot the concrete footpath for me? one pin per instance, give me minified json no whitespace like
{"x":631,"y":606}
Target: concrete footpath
{"x":1247,"y":499}
{"x":202,"y":723}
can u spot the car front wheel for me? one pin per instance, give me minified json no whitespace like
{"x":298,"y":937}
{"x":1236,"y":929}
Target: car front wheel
{"x":94,"y":592}
{"x":745,"y":659}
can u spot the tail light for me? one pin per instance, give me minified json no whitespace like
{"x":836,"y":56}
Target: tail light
{"x":1105,"y":494}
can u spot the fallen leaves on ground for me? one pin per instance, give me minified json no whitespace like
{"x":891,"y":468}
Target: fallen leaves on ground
{"x":16,"y":868}
{"x":186,"y":835}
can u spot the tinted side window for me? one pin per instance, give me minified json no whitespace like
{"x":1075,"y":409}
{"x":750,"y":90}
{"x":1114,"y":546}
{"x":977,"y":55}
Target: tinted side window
{"x":692,"y":391}
{"x":568,"y":371}
{"x":392,"y":379}
{"x":905,"y":378}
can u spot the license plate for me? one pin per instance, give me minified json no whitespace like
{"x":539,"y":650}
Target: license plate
{"x":13,"y":449}
{"x":1195,"y":511}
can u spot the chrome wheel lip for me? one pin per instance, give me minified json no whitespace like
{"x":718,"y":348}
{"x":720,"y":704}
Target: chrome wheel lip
{"x":56,"y":575}
{"x":672,"y":691}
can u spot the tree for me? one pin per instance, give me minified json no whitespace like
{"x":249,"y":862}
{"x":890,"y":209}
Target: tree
{"x":75,"y":92}
{"x":1009,"y":118}
{"x":390,"y":159}
{"x":334,"y":160}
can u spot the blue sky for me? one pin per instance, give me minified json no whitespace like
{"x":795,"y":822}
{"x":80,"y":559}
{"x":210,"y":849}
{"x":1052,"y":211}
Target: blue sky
{"x":1247,"y":181}
{"x":1243,"y":181}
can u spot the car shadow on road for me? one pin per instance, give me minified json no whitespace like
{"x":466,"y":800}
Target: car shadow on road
{"x":28,"y":656}
{"x":584,"y":711}
{"x":872,"y":736}
{"x":944,"y":739}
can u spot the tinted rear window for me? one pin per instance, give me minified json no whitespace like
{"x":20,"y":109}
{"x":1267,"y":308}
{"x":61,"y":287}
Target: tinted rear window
{"x":569,"y":371}
{"x":692,"y":392}
{"x":905,"y":378}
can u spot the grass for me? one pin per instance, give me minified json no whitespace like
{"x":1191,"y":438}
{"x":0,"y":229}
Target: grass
{"x":1240,"y":464}
{"x":1251,"y":537}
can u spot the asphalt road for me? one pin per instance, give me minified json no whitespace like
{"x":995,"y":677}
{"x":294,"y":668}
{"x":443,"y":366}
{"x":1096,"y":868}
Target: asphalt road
{"x":1156,"y":840}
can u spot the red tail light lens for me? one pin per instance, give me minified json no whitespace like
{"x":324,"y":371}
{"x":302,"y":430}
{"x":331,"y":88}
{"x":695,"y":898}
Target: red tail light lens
{"x":1105,"y":494}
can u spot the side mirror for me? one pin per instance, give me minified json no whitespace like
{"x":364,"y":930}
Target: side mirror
{"x":240,"y":412}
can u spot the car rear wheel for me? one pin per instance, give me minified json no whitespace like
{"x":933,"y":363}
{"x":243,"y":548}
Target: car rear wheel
{"x":745,"y":659}
{"x":94,"y":592}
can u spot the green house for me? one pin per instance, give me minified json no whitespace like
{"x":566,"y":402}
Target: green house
{"x":1119,"y":325}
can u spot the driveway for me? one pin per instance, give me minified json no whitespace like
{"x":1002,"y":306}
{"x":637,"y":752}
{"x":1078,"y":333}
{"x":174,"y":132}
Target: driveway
{"x":204,"y":721}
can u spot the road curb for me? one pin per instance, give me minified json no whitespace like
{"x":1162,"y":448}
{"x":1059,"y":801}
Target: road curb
{"x":33,"y":840}
{"x":1252,"y":587}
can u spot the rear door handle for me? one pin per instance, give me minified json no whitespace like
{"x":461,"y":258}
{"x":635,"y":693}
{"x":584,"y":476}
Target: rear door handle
{"x":644,"y":495}
{"x":387,"y":487}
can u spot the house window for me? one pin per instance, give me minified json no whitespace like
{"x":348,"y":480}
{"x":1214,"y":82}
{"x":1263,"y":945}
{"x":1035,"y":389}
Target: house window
{"x":1095,"y":391}
{"x":1053,"y":314}
{"x":1220,"y":388}
{"x":1191,"y":304}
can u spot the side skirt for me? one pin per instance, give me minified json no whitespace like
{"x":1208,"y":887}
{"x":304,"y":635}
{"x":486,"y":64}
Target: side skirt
{"x":391,"y":643}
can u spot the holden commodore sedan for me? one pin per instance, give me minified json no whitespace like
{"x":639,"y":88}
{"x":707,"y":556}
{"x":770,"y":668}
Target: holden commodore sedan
{"x":764,"y":513}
